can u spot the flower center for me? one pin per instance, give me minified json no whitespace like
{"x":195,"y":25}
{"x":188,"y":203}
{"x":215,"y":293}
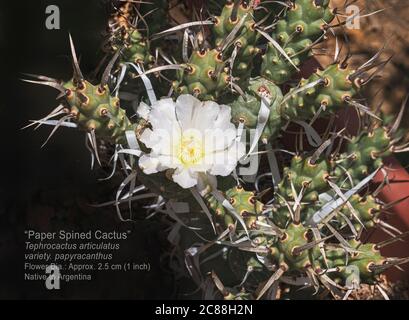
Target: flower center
{"x":190,"y":150}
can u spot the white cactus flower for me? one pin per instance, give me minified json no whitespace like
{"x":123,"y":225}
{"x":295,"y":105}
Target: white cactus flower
{"x":195,"y":138}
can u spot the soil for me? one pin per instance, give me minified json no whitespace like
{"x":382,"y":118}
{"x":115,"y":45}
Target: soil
{"x":396,"y":291}
{"x":389,"y":29}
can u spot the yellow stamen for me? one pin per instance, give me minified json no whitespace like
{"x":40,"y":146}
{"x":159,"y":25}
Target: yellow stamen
{"x":190,"y":149}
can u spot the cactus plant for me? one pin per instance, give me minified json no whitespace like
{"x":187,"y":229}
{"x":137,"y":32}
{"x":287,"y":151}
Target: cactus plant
{"x":304,"y":229}
{"x":304,"y":25}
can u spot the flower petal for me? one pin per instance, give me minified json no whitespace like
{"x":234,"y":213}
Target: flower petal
{"x":223,"y":120}
{"x":163,"y":115}
{"x":148,"y":164}
{"x":168,"y":162}
{"x":224,"y":162}
{"x":185,"y":178}
{"x":218,"y":139}
{"x":205,"y":115}
{"x":185,"y":106}
{"x":143,"y":110}
{"x":215,"y":140}
{"x":160,"y":140}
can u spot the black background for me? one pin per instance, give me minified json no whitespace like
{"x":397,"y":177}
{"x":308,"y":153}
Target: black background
{"x":38,"y":186}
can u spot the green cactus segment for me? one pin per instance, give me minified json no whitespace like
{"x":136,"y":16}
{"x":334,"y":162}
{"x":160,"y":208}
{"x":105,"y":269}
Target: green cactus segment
{"x":367,"y":258}
{"x":284,"y":252}
{"x":366,"y":211}
{"x":328,"y":96}
{"x":272,"y":8}
{"x":245,"y":204}
{"x":300,"y":103}
{"x":124,"y":36}
{"x":135,"y":48}
{"x":246,"y":109}
{"x":204,"y":76}
{"x":361,"y":212}
{"x":365,"y":153}
{"x":245,"y":40}
{"x":280,"y":215}
{"x":302,"y":26}
{"x":93,"y":108}
{"x":361,"y":263}
{"x":311,"y":179}
{"x":303,"y":174}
